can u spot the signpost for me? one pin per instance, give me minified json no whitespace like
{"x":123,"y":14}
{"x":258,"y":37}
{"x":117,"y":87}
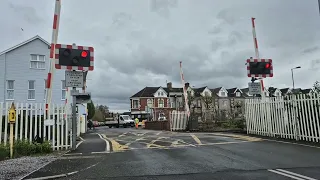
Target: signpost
{"x":12,"y":120}
{"x":254,"y":88}
{"x":75,"y":59}
{"x":74,"y":79}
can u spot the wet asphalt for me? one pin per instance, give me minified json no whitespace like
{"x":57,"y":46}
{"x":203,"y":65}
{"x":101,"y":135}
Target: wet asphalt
{"x":144,"y":154}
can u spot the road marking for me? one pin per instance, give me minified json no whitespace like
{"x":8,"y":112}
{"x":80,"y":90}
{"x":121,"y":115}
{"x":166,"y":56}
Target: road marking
{"x":107,"y":143}
{"x":196,"y":139}
{"x":156,"y":145}
{"x":101,"y":152}
{"x":79,"y":157}
{"x":78,"y":144}
{"x":291,"y":174}
{"x":306,"y":145}
{"x":124,"y":134}
{"x":115,"y":145}
{"x":72,"y":154}
{"x":248,"y":138}
{"x":220,"y":143}
{"x":62,"y":175}
{"x":158,"y":133}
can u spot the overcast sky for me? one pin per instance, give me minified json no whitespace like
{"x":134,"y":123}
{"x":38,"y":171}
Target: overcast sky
{"x":139,"y":43}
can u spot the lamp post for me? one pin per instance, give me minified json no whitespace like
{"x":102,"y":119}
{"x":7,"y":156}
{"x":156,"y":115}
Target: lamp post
{"x":298,"y":67}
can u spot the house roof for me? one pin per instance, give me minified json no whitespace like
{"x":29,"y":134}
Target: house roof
{"x":23,"y":43}
{"x":198,"y":91}
{"x":306,"y":91}
{"x":146,"y":92}
{"x":149,"y":91}
{"x":216,"y":90}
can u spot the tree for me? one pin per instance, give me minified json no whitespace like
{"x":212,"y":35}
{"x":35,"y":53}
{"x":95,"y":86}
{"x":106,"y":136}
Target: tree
{"x":316,"y":86}
{"x":207,"y":100}
{"x":98,"y":116}
{"x":104,"y":110}
{"x":91,"y":110}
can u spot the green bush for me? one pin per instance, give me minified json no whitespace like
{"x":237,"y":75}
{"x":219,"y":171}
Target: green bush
{"x":4,"y":152}
{"x":25,"y":148}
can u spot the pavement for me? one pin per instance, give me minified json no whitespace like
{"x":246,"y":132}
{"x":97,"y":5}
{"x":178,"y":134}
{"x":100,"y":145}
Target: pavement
{"x":128,"y":153}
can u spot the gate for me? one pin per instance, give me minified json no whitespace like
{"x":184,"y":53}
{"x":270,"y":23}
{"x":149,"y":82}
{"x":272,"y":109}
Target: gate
{"x":31,"y":121}
{"x":289,"y":117}
{"x":178,"y":120}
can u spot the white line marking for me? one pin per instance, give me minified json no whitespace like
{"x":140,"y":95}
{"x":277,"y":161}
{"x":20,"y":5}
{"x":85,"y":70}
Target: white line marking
{"x":107,"y":143}
{"x":102,"y":152}
{"x":295,"y":174}
{"x":284,"y":174}
{"x":81,"y":138}
{"x":292,"y":143}
{"x":71,"y":154}
{"x":78,"y":144}
{"x":158,"y":133}
{"x":62,"y":175}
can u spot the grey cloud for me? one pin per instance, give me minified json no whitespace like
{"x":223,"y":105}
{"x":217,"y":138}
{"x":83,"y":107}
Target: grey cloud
{"x":141,"y":43}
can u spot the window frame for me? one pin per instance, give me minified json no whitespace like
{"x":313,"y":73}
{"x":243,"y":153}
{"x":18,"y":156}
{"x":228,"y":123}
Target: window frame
{"x":238,"y":94}
{"x":7,"y":89}
{"x":63,"y":90}
{"x":133,"y":104}
{"x":38,"y":61}
{"x":34,"y":89}
{"x":161,"y":100}
{"x":149,"y":102}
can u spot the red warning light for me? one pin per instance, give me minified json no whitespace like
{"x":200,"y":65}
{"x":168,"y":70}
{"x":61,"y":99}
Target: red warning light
{"x":268,"y":65}
{"x":84,"y":54}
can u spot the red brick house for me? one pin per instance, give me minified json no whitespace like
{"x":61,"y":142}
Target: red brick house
{"x":155,"y":101}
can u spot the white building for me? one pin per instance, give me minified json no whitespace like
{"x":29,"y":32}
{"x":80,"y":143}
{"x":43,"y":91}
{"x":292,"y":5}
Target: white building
{"x":23,"y":73}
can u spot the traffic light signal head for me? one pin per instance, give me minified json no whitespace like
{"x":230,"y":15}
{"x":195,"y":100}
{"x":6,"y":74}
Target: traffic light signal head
{"x":74,"y":57}
{"x":259,"y":68}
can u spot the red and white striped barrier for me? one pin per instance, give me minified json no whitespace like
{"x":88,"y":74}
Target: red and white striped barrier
{"x":54,"y":39}
{"x":255,"y":41}
{"x":184,"y":90}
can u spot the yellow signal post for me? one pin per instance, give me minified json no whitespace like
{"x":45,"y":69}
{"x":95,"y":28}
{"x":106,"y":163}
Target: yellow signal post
{"x":12,"y":120}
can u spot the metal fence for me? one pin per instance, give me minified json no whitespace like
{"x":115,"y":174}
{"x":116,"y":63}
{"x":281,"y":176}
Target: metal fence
{"x":178,"y":120}
{"x":289,"y":117}
{"x":31,"y":121}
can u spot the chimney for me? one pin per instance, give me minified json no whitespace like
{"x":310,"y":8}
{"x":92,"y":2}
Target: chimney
{"x":169,"y":85}
{"x":186,"y":85}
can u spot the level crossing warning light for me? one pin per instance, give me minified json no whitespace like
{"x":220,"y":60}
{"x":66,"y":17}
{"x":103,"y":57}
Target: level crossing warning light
{"x":73,"y":57}
{"x":259,"y":67}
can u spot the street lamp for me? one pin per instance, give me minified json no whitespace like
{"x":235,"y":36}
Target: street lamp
{"x":298,"y":67}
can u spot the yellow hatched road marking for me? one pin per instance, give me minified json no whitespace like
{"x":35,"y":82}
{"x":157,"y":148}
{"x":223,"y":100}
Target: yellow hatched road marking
{"x":196,"y":139}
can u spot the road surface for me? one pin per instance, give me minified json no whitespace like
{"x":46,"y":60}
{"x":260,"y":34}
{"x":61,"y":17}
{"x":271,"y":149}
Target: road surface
{"x":127,"y":153}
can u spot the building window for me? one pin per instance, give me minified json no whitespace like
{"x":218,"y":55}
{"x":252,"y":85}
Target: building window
{"x":63,"y":90}
{"x":37,"y":62}
{"x":161,"y":93}
{"x":149,"y":103}
{"x":223,"y":94}
{"x":161,"y":103}
{"x":10,"y":89}
{"x":238,"y":94}
{"x":206,"y":94}
{"x":198,"y":103}
{"x":135,"y":104}
{"x":31,"y":90}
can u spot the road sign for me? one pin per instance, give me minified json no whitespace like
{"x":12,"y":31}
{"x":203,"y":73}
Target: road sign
{"x":74,"y":79}
{"x":254,"y":88}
